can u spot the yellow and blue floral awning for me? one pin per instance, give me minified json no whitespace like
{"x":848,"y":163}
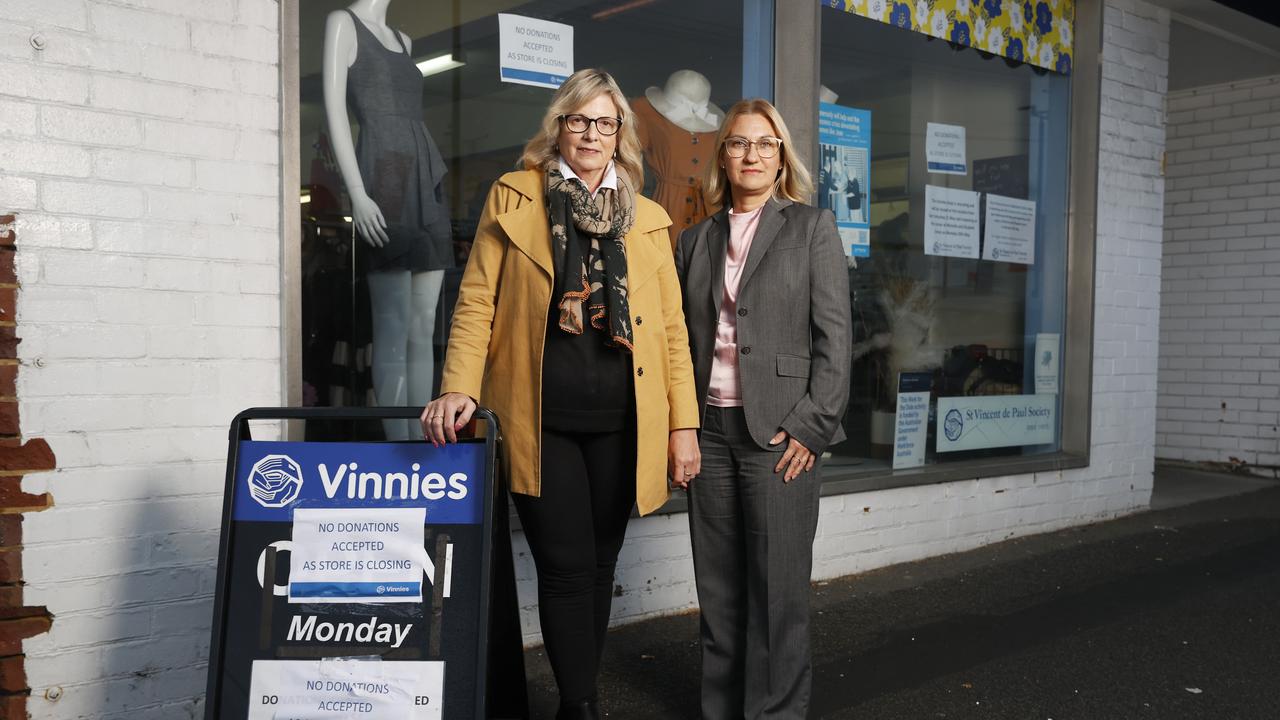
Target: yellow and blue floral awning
{"x":1038,"y":32}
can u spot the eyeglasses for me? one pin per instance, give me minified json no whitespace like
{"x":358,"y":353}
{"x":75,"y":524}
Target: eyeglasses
{"x":766,"y":147}
{"x":604,"y":125}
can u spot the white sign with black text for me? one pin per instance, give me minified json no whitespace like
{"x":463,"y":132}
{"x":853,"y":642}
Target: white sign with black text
{"x":357,"y":555}
{"x":1010,"y":230}
{"x":534,"y":52}
{"x":333,"y":689}
{"x":944,"y":148}
{"x":950,"y":222}
{"x":912,"y":429}
{"x":1046,"y":362}
{"x":991,"y":421}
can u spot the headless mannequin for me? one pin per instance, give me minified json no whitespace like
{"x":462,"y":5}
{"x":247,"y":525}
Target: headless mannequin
{"x":404,"y":301}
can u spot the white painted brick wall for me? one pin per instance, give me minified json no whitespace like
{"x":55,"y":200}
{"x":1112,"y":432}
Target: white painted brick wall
{"x":1220,"y":308}
{"x":139,"y":148}
{"x":150,"y":270}
{"x":869,"y":530}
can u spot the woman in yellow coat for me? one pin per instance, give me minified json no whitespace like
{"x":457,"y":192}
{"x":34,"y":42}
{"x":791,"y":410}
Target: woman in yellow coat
{"x":569,"y":326}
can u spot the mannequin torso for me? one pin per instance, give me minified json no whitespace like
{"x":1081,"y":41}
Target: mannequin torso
{"x":373,"y":13}
{"x":393,"y":176}
{"x":677,"y":124}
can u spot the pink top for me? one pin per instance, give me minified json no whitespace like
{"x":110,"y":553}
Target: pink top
{"x":724,"y":389}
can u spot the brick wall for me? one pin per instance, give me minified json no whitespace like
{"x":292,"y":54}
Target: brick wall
{"x":140,"y":144}
{"x":140,"y":149}
{"x":1220,"y":310}
{"x":869,"y":530}
{"x":18,"y":621}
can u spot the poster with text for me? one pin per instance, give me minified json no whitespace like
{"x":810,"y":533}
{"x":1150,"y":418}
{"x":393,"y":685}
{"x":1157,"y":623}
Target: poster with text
{"x":1009,"y":233}
{"x":341,"y":689}
{"x":992,"y":421}
{"x":911,"y":419}
{"x":1047,"y":367}
{"x":951,"y":222}
{"x":844,"y":173}
{"x":945,"y":149}
{"x":534,"y":52}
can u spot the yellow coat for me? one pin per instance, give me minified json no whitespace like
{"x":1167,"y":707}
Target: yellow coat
{"x":500,"y":325}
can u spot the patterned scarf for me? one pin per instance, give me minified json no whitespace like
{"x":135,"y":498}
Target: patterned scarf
{"x":590,"y":255}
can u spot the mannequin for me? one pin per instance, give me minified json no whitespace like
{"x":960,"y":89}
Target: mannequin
{"x":677,"y":127}
{"x":394,"y":179}
{"x":686,"y":102}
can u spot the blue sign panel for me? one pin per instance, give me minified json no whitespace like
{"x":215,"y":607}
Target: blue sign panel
{"x":274,"y":479}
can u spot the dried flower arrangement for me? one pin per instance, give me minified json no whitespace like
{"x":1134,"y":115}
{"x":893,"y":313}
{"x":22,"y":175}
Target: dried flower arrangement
{"x":908,"y":306}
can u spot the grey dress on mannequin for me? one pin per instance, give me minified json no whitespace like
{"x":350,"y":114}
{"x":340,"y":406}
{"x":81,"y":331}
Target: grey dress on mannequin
{"x":399,"y":160}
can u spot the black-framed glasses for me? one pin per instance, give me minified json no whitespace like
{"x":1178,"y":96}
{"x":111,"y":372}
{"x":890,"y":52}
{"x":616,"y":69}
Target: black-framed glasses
{"x":606,"y":125}
{"x":766,"y":147}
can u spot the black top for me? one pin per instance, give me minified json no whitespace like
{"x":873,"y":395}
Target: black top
{"x":399,"y":162}
{"x":586,"y":384}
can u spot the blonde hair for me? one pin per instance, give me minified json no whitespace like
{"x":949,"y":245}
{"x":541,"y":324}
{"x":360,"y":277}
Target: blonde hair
{"x":541,"y":153}
{"x":793,"y":182}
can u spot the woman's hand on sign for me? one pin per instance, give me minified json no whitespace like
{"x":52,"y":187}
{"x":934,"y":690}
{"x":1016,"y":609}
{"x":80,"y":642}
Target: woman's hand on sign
{"x":445,"y":416}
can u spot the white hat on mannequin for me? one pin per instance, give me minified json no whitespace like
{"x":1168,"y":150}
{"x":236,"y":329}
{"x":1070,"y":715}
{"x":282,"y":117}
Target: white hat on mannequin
{"x":686,"y":101}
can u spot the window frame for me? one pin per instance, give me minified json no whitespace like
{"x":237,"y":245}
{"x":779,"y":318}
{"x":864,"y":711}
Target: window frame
{"x":797,"y":79}
{"x":795,"y":85}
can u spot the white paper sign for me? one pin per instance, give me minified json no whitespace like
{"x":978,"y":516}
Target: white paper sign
{"x":944,"y":149}
{"x":357,"y":555}
{"x":950,"y":222}
{"x":1010,"y":234}
{"x":534,"y":52}
{"x":333,"y":689}
{"x":912,"y":431}
{"x":971,"y":423}
{"x":1046,"y":364}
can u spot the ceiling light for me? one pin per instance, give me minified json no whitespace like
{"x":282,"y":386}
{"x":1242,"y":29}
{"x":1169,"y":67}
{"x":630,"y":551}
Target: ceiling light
{"x":619,"y":9}
{"x":438,"y":64}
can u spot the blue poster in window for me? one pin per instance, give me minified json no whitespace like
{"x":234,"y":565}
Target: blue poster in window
{"x":844,"y":173}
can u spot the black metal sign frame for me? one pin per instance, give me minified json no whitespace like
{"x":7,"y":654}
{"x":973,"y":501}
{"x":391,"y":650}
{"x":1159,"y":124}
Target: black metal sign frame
{"x":497,"y":646}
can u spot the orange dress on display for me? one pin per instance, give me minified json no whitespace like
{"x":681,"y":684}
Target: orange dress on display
{"x":679,"y":160}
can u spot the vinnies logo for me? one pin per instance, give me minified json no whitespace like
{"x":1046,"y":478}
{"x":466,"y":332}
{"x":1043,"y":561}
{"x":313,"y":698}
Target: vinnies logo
{"x":275,"y":481}
{"x":953,"y":425}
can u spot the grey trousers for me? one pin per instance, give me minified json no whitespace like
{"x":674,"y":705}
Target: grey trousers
{"x":752,"y":556}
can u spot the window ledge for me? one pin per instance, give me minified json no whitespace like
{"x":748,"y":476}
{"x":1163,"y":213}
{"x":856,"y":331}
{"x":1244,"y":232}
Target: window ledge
{"x":849,"y":482}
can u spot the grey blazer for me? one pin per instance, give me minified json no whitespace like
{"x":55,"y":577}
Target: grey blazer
{"x":794,"y":327}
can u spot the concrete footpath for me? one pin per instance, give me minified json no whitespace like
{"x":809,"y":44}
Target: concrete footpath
{"x":1170,"y":613}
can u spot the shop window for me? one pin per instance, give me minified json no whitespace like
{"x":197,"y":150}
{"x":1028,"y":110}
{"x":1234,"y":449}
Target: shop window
{"x":375,"y":319}
{"x":947,"y":168}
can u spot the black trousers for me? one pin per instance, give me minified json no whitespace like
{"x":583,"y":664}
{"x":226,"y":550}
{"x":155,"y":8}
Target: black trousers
{"x":575,"y":530}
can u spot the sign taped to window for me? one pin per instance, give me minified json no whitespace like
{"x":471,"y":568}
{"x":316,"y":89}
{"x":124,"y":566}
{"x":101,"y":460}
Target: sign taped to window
{"x":992,"y":421}
{"x":534,"y":52}
{"x":844,"y":173}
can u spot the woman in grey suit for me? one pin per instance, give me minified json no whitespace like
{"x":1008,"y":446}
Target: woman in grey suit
{"x":766,"y":301}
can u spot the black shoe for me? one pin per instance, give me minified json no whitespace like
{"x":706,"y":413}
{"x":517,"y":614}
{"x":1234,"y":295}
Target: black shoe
{"x":581,"y":710}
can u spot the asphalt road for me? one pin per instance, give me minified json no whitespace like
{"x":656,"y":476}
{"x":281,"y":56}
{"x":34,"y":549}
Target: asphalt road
{"x":1164,"y":615}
